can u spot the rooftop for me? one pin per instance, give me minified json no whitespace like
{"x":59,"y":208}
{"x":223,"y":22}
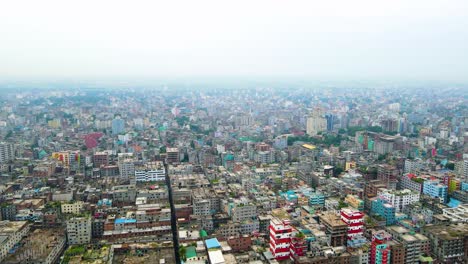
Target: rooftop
{"x":37,"y":246}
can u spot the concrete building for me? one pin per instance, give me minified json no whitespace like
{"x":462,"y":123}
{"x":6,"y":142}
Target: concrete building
{"x":461,"y":169}
{"x":384,"y":210}
{"x":124,"y":193}
{"x":335,"y":228}
{"x":398,"y":199}
{"x":316,"y":123}
{"x":7,"y":152}
{"x":241,"y":212}
{"x":415,"y":245}
{"x":100,"y":159}
{"x":355,"y":202}
{"x":448,"y":243}
{"x":435,"y":189}
{"x":11,"y":234}
{"x":126,"y":168}
{"x":41,"y":246}
{"x":388,"y":175}
{"x":457,"y":214}
{"x":411,"y":182}
{"x":280,"y":238}
{"x":151,"y":171}
{"x":72,"y":208}
{"x":173,"y":155}
{"x":79,"y":230}
{"x":413,"y":166}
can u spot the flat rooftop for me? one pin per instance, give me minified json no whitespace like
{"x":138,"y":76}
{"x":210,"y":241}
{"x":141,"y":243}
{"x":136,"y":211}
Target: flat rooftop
{"x":37,"y":246}
{"x":332,"y":219}
{"x":9,"y":227}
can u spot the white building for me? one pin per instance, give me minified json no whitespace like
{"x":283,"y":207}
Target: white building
{"x":243,"y":212}
{"x":151,"y":171}
{"x":457,"y":214}
{"x":413,"y":166}
{"x":79,"y":230}
{"x":399,"y":199}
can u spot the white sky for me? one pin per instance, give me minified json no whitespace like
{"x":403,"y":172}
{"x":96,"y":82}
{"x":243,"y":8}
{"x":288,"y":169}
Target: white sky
{"x":406,"y":39}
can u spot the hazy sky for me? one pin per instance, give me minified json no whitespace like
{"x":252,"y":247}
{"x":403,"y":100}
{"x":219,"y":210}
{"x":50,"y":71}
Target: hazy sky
{"x":397,"y":39}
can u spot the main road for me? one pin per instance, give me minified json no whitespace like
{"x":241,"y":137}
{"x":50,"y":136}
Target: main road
{"x":175,"y":234}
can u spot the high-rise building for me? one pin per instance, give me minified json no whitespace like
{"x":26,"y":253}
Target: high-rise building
{"x":173,"y":155}
{"x":335,"y":228}
{"x":415,"y":245}
{"x":315,"y":123}
{"x":380,"y":251}
{"x":388,"y":175}
{"x":7,"y":152}
{"x":461,"y":169}
{"x":383,"y":209}
{"x":100,"y":159}
{"x":118,"y":125}
{"x":280,"y":238}
{"x":127,"y":168}
{"x":355,"y":221}
{"x":79,"y":230}
{"x":330,"y":120}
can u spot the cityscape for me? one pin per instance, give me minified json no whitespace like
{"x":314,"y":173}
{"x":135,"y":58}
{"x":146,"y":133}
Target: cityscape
{"x":234,"y":132}
{"x":234,"y":176}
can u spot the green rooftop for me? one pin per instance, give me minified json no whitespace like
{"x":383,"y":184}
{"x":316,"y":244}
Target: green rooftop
{"x":190,"y":252}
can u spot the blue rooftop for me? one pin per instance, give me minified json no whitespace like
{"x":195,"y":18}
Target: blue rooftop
{"x":453,"y":203}
{"x":212,"y":243}
{"x":124,"y":221}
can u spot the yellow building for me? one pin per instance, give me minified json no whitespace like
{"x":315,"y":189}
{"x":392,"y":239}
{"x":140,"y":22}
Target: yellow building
{"x":72,"y":208}
{"x":62,"y":156}
{"x":55,"y":123}
{"x":350,"y":166}
{"x":354,"y":202}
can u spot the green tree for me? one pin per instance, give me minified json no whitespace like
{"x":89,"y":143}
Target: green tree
{"x":182,"y":253}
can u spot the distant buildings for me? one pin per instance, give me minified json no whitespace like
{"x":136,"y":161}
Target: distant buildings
{"x":315,"y":123}
{"x":173,"y":155}
{"x":461,"y":169}
{"x":7,"y":152}
{"x":118,"y":125}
